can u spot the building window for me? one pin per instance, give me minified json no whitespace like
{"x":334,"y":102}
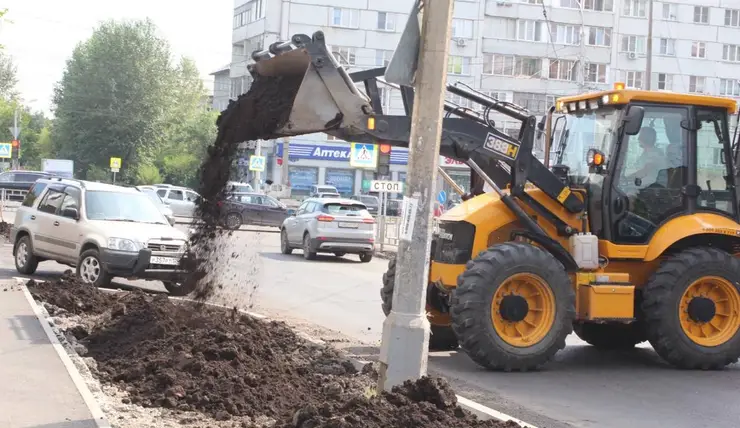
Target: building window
{"x":383,"y":57}
{"x":498,"y":95}
{"x":633,"y":79}
{"x":665,"y":82}
{"x":458,"y":65}
{"x":595,"y":73}
{"x":341,"y":17}
{"x":669,"y":12}
{"x":344,"y":55}
{"x":531,"y":31}
{"x":667,"y":47}
{"x":531,"y":1}
{"x":500,"y":28}
{"x":462,"y":28}
{"x":236,"y":87}
{"x":633,"y":44}
{"x":510,"y":65}
{"x":732,"y":17}
{"x":460,"y":101}
{"x":386,"y":21}
{"x":599,"y":5}
{"x":729,"y":87}
{"x":634,"y":8}
{"x":698,"y":50}
{"x":696,"y":84}
{"x":731,"y":53}
{"x":701,"y":14}
{"x":534,"y":102}
{"x":561,"y":69}
{"x":566,"y":34}
{"x":572,"y":4}
{"x":599,"y":36}
{"x":258,"y":10}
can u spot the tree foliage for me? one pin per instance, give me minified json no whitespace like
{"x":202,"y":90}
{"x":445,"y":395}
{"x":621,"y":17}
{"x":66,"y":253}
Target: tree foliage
{"x":121,"y":95}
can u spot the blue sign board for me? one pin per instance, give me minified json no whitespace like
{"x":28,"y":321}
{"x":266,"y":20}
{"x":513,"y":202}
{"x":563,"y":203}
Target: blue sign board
{"x":442,"y":197}
{"x":342,"y":179}
{"x":302,"y":178}
{"x":334,"y":152}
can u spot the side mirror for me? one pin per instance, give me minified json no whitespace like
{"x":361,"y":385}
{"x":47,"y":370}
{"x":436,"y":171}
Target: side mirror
{"x":633,"y":120}
{"x":71,"y":213}
{"x":291,"y":212}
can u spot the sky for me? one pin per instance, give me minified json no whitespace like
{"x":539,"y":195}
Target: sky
{"x":41,"y":34}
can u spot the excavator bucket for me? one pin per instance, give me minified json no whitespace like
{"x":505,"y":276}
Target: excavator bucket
{"x":324,"y":98}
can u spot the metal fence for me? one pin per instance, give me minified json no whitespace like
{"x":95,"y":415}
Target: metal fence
{"x":11,"y":199}
{"x":388,"y":231}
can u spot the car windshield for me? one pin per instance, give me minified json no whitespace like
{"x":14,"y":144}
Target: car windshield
{"x":579,"y":133}
{"x":368,"y":200}
{"x":121,"y":206}
{"x":153,"y":196}
{"x":339,"y":208}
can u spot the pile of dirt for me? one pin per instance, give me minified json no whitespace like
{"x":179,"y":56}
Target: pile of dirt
{"x":253,"y":116}
{"x":5,"y":229}
{"x":231,"y":366}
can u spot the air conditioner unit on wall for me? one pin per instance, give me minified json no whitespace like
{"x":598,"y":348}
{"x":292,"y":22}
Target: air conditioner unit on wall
{"x":461,"y":42}
{"x":632,"y":55}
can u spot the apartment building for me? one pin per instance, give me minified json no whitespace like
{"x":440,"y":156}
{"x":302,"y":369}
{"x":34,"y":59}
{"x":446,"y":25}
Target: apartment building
{"x":524,"y":51}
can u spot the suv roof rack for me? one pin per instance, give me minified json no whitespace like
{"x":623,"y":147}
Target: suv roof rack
{"x":81,"y":183}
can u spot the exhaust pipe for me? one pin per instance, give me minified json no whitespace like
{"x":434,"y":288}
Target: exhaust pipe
{"x":326,"y":99}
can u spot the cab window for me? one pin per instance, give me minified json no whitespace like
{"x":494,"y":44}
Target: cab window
{"x":51,"y":202}
{"x":712,"y":175}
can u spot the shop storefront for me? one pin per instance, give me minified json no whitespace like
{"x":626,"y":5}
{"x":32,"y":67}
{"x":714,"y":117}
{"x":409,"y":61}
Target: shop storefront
{"x":342,"y":179}
{"x":302,"y":178}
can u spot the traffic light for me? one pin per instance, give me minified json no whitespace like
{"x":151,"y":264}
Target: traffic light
{"x":384,"y":160}
{"x":16,"y":149}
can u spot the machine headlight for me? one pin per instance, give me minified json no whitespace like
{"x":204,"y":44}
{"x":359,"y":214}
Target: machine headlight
{"x":122,"y":244}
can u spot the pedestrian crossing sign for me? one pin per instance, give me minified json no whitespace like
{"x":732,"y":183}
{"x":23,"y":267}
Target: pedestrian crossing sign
{"x":364,"y":155}
{"x":257,"y":163}
{"x":5,"y":150}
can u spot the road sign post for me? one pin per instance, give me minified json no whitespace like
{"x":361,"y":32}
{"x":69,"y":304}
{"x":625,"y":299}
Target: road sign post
{"x":384,"y":188}
{"x":404,"y":347}
{"x":363,"y":155}
{"x":257,"y":164}
{"x":115,"y":167}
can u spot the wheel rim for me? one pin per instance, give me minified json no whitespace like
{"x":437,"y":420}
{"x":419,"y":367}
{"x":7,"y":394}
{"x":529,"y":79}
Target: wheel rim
{"x":90,"y":270}
{"x":232,"y":221}
{"x":21,"y":254}
{"x":710,"y":311}
{"x":523,"y":310}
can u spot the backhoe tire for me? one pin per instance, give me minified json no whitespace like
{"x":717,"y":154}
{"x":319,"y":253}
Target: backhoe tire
{"x":691,"y":308}
{"x":441,"y":338}
{"x":611,"y":337}
{"x":513,"y":307}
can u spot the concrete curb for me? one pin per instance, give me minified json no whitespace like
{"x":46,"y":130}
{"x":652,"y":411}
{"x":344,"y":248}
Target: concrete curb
{"x":479,"y":410}
{"x":92,"y":404}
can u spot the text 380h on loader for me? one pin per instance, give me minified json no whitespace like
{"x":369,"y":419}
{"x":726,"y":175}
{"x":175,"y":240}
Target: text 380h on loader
{"x":604,"y":242}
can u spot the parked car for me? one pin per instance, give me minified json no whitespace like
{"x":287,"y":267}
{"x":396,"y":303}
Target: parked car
{"x":182,"y":201}
{"x":237,"y":187}
{"x":394,"y":208}
{"x":323,"y":188}
{"x":17,"y":182}
{"x":102,"y":230}
{"x":371,"y":202}
{"x":252,"y":208}
{"x":337,"y":226}
{"x":161,"y":205}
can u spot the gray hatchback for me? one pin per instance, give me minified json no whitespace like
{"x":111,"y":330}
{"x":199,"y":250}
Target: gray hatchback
{"x":330,"y":225}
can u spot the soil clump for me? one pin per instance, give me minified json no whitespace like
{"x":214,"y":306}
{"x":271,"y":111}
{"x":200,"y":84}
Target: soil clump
{"x":233,"y":367}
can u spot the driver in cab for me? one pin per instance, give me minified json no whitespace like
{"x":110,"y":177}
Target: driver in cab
{"x":651,"y":160}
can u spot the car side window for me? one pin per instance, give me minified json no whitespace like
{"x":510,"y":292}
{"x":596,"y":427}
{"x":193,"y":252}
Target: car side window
{"x":175,"y":195}
{"x":162,"y":192}
{"x":33,"y":194}
{"x":7,"y":177}
{"x":191,"y":196}
{"x":301,"y":209}
{"x":269,"y":202}
{"x":71,"y":199}
{"x":51,"y":202}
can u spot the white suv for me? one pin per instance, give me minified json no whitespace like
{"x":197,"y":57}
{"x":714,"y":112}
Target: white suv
{"x":104,"y":231}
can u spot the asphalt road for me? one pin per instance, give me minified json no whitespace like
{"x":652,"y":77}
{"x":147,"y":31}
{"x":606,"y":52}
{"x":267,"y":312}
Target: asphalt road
{"x":581,"y":388}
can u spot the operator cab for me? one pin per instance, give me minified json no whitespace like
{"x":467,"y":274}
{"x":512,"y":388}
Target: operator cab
{"x":646,"y":157}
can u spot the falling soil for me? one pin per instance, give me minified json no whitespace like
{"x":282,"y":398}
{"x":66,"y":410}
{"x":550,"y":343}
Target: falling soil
{"x":255,"y":115}
{"x":231,"y":366}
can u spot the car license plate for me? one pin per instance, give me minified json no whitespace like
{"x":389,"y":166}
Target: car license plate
{"x":348,"y":225}
{"x":172,"y":261}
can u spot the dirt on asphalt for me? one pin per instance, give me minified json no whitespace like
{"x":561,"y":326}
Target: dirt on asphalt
{"x":5,"y":229}
{"x":233,"y":367}
{"x":255,"y":115}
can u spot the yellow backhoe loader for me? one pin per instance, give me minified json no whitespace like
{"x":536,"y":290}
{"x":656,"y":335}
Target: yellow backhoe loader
{"x":630,"y":235}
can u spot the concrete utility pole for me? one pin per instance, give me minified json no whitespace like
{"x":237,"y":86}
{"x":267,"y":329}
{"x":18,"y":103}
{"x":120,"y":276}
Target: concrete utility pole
{"x":404,"y":349}
{"x":284,"y":176}
{"x":649,"y":66}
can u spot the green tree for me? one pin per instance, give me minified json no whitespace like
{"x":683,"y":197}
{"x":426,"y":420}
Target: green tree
{"x":113,"y":98}
{"x":148,"y":174}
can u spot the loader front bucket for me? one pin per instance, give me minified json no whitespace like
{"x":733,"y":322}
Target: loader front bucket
{"x":324,"y":98}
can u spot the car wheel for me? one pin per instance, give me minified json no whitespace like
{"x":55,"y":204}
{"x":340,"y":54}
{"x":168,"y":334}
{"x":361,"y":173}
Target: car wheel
{"x":284,"y":244}
{"x":25,"y":262}
{"x":91,"y":271}
{"x":233,"y":221}
{"x":366,"y":257}
{"x":179,"y":289}
{"x":307,"y":253}
{"x":340,"y":254}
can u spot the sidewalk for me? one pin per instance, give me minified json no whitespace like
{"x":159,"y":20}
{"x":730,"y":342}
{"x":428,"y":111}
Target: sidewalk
{"x":36,"y":389}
